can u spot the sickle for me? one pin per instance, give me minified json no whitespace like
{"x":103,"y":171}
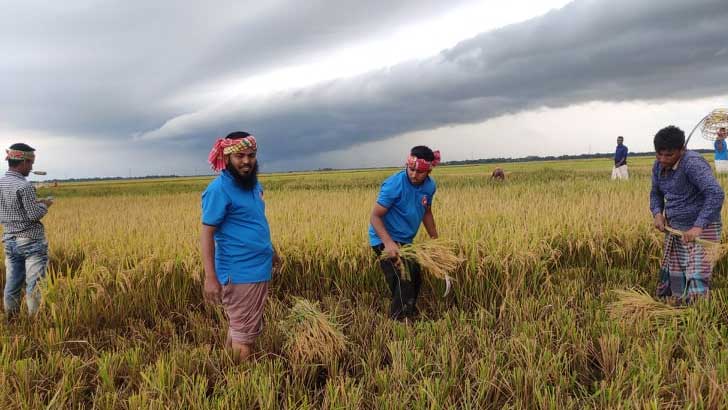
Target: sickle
{"x":448,"y":285}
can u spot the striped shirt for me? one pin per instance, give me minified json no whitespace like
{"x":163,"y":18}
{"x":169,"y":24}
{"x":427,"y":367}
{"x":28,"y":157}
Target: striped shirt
{"x":687,"y":192}
{"x":20,"y":211}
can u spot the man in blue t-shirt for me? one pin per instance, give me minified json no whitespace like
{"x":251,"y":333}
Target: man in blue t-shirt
{"x":721,"y":152}
{"x":404,"y":202}
{"x":237,"y":253}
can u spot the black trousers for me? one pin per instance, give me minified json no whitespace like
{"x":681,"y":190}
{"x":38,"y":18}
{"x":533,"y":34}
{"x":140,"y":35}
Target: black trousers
{"x":404,"y":292}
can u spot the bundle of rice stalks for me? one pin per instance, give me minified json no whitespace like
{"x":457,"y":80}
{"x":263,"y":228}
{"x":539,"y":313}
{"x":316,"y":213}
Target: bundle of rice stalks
{"x":437,"y":257}
{"x":634,"y":305}
{"x":314,"y":341}
{"x":713,"y":250}
{"x":714,"y":121}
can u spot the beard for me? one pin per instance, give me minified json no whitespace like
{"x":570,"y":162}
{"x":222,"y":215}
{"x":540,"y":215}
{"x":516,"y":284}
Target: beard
{"x":246,"y":182}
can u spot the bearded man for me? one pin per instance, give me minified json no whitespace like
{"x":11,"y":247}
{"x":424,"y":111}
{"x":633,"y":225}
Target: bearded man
{"x":237,"y":252}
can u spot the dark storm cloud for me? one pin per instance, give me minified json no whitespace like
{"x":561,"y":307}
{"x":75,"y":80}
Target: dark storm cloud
{"x":112,"y":69}
{"x":590,"y":50}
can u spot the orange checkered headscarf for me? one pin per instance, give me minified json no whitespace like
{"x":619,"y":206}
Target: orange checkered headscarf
{"x":227,"y":146}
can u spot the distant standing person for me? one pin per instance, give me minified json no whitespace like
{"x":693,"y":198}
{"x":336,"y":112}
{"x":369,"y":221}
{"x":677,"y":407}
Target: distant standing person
{"x":404,"y":202}
{"x":26,"y":247}
{"x":620,"y":160}
{"x":721,"y":152}
{"x":686,"y":196}
{"x":237,"y":252}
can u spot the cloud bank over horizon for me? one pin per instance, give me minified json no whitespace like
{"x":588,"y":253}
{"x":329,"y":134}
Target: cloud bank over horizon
{"x":112,"y":74}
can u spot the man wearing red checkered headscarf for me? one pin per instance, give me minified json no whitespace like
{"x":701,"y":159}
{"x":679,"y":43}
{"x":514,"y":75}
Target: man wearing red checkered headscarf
{"x":237,"y":253}
{"x":404,"y":202}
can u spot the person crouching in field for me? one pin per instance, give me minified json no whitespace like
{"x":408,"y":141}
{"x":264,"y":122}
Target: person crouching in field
{"x":404,"y":202}
{"x":498,"y":174}
{"x":237,"y":253}
{"x":686,"y":196}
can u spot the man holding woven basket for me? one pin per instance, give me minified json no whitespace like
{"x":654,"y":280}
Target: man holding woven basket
{"x":404,"y":202}
{"x":685,"y":201}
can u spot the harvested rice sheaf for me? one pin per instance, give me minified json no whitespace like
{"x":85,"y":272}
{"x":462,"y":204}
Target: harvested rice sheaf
{"x":437,"y":257}
{"x":313,"y":338}
{"x":714,"y":251}
{"x":636,"y":304}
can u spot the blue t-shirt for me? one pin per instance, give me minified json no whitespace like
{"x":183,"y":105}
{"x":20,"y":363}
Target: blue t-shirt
{"x":243,"y":248}
{"x":406,"y":204}
{"x":620,"y":155}
{"x":721,"y":153}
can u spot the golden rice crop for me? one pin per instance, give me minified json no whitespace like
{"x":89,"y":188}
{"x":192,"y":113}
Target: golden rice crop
{"x":125,"y":325}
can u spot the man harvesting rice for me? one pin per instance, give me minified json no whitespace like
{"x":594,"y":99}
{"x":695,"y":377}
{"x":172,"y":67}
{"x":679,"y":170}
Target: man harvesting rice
{"x":498,"y":174}
{"x":404,"y":202}
{"x":237,"y":252}
{"x":686,"y":196}
{"x":26,"y":247}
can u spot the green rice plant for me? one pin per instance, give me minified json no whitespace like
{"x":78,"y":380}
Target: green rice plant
{"x":343,"y":393}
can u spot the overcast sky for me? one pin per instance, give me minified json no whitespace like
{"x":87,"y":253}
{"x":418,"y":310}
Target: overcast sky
{"x":105,"y":88}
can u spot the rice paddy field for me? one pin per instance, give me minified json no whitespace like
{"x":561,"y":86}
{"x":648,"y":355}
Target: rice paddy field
{"x":124,"y":325}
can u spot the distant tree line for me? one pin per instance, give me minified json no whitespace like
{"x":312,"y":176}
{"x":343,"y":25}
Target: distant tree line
{"x":532,"y":158}
{"x":529,"y":158}
{"x":92,"y":179}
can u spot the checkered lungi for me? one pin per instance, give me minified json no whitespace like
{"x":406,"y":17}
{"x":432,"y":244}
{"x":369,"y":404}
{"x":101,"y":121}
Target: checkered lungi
{"x":686,"y":268}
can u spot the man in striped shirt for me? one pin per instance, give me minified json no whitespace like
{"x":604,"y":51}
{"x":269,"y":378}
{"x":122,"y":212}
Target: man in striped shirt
{"x":685,"y":196}
{"x":26,"y":248}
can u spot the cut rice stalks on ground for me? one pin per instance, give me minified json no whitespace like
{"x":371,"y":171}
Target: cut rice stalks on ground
{"x":634,"y":305}
{"x":314,"y":340}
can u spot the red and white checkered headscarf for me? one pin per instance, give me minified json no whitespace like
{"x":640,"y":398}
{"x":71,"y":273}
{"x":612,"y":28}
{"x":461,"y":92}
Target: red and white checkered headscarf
{"x":422,"y":165}
{"x":227,"y":146}
{"x":19,"y":155}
